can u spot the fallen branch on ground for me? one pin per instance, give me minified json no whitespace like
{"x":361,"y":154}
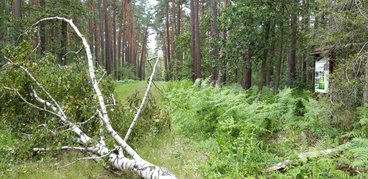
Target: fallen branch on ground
{"x":285,"y":163}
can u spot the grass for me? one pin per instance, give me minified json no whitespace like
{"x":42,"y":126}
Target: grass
{"x":175,"y":152}
{"x":128,"y":87}
{"x":60,"y":167}
{"x":170,"y":150}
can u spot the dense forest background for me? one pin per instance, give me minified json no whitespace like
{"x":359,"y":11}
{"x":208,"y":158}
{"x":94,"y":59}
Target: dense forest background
{"x":264,"y":43}
{"x":256,"y":60}
{"x":267,"y":43}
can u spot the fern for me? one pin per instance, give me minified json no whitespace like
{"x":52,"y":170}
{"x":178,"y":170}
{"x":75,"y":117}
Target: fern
{"x":252,"y":131}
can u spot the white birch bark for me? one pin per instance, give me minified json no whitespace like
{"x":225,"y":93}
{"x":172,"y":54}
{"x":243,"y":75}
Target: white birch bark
{"x":137,"y":164}
{"x":285,"y":163}
{"x":143,"y":101}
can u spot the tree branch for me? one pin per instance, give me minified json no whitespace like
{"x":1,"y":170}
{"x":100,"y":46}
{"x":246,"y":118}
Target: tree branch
{"x":81,"y":149}
{"x":142,"y":167}
{"x":285,"y":163}
{"x":29,"y":103}
{"x":143,"y":101}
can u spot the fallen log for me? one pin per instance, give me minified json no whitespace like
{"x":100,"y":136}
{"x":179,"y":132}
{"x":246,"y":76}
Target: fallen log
{"x":285,"y":163}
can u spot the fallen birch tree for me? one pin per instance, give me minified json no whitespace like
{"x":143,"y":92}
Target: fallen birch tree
{"x":122,"y":156}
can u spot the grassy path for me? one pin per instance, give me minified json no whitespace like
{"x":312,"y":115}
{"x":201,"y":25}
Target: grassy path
{"x":168,"y":149}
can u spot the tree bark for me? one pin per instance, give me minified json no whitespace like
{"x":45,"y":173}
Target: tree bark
{"x":293,"y":41}
{"x":101,"y":14}
{"x":222,"y":69}
{"x":143,"y":101}
{"x":96,"y":35}
{"x":2,"y":30}
{"x":262,"y":71}
{"x":168,"y":43}
{"x":143,"y":55}
{"x":196,"y":40}
{"x":247,"y":73}
{"x":120,"y":52}
{"x":17,"y":12}
{"x":365,"y":93}
{"x":180,"y":57}
{"x":270,"y":74}
{"x":118,"y":160}
{"x":285,"y":163}
{"x":91,"y":25}
{"x":114,"y":39}
{"x":42,"y":30}
{"x":64,"y":43}
{"x":306,"y":29}
{"x":214,"y":35}
{"x":108,"y":51}
{"x":280,"y":57}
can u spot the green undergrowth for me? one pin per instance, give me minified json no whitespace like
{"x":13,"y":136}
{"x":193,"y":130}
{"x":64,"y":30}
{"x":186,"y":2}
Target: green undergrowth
{"x":161,"y":146}
{"x":175,"y":152}
{"x":218,"y":133}
{"x":253,"y":132}
{"x":60,"y":166}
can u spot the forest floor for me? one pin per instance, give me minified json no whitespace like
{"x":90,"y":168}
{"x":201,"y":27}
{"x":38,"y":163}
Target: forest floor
{"x":170,"y":150}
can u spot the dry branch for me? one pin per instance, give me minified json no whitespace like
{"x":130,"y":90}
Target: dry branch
{"x":285,"y":163}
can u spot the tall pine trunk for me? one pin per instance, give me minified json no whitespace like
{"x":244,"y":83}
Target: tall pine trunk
{"x":262,"y":71}
{"x":114,"y":39}
{"x":42,"y":30}
{"x":64,"y":43}
{"x":143,"y":55}
{"x":222,"y":68}
{"x":168,"y":53}
{"x":195,"y":39}
{"x":17,"y":13}
{"x":247,"y":73}
{"x":101,"y":15}
{"x":108,"y":51}
{"x":293,"y":41}
{"x":214,"y":35}
{"x":280,"y":57}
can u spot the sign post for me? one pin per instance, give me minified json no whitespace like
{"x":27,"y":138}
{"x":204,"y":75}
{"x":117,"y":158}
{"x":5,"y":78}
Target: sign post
{"x":322,"y":73}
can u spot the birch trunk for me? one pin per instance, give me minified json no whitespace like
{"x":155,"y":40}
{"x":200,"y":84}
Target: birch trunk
{"x":137,"y":164}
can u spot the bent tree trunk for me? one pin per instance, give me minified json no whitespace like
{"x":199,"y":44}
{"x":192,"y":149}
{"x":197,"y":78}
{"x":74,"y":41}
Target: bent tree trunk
{"x":97,"y":148}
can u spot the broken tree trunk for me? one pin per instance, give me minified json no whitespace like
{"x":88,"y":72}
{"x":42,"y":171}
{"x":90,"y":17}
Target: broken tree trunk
{"x":118,"y":160}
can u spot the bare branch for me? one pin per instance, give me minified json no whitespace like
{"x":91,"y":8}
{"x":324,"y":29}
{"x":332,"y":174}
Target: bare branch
{"x":92,"y":117}
{"x":285,"y":163}
{"x":105,"y":117}
{"x":81,"y":149}
{"x":113,"y":99}
{"x":103,"y":75}
{"x":29,"y":103}
{"x":74,"y":52}
{"x":82,"y":136}
{"x":143,"y":101}
{"x":80,"y":159}
{"x":142,"y":167}
{"x":359,"y":6}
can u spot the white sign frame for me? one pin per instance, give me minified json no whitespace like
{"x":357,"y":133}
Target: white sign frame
{"x":322,"y":73}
